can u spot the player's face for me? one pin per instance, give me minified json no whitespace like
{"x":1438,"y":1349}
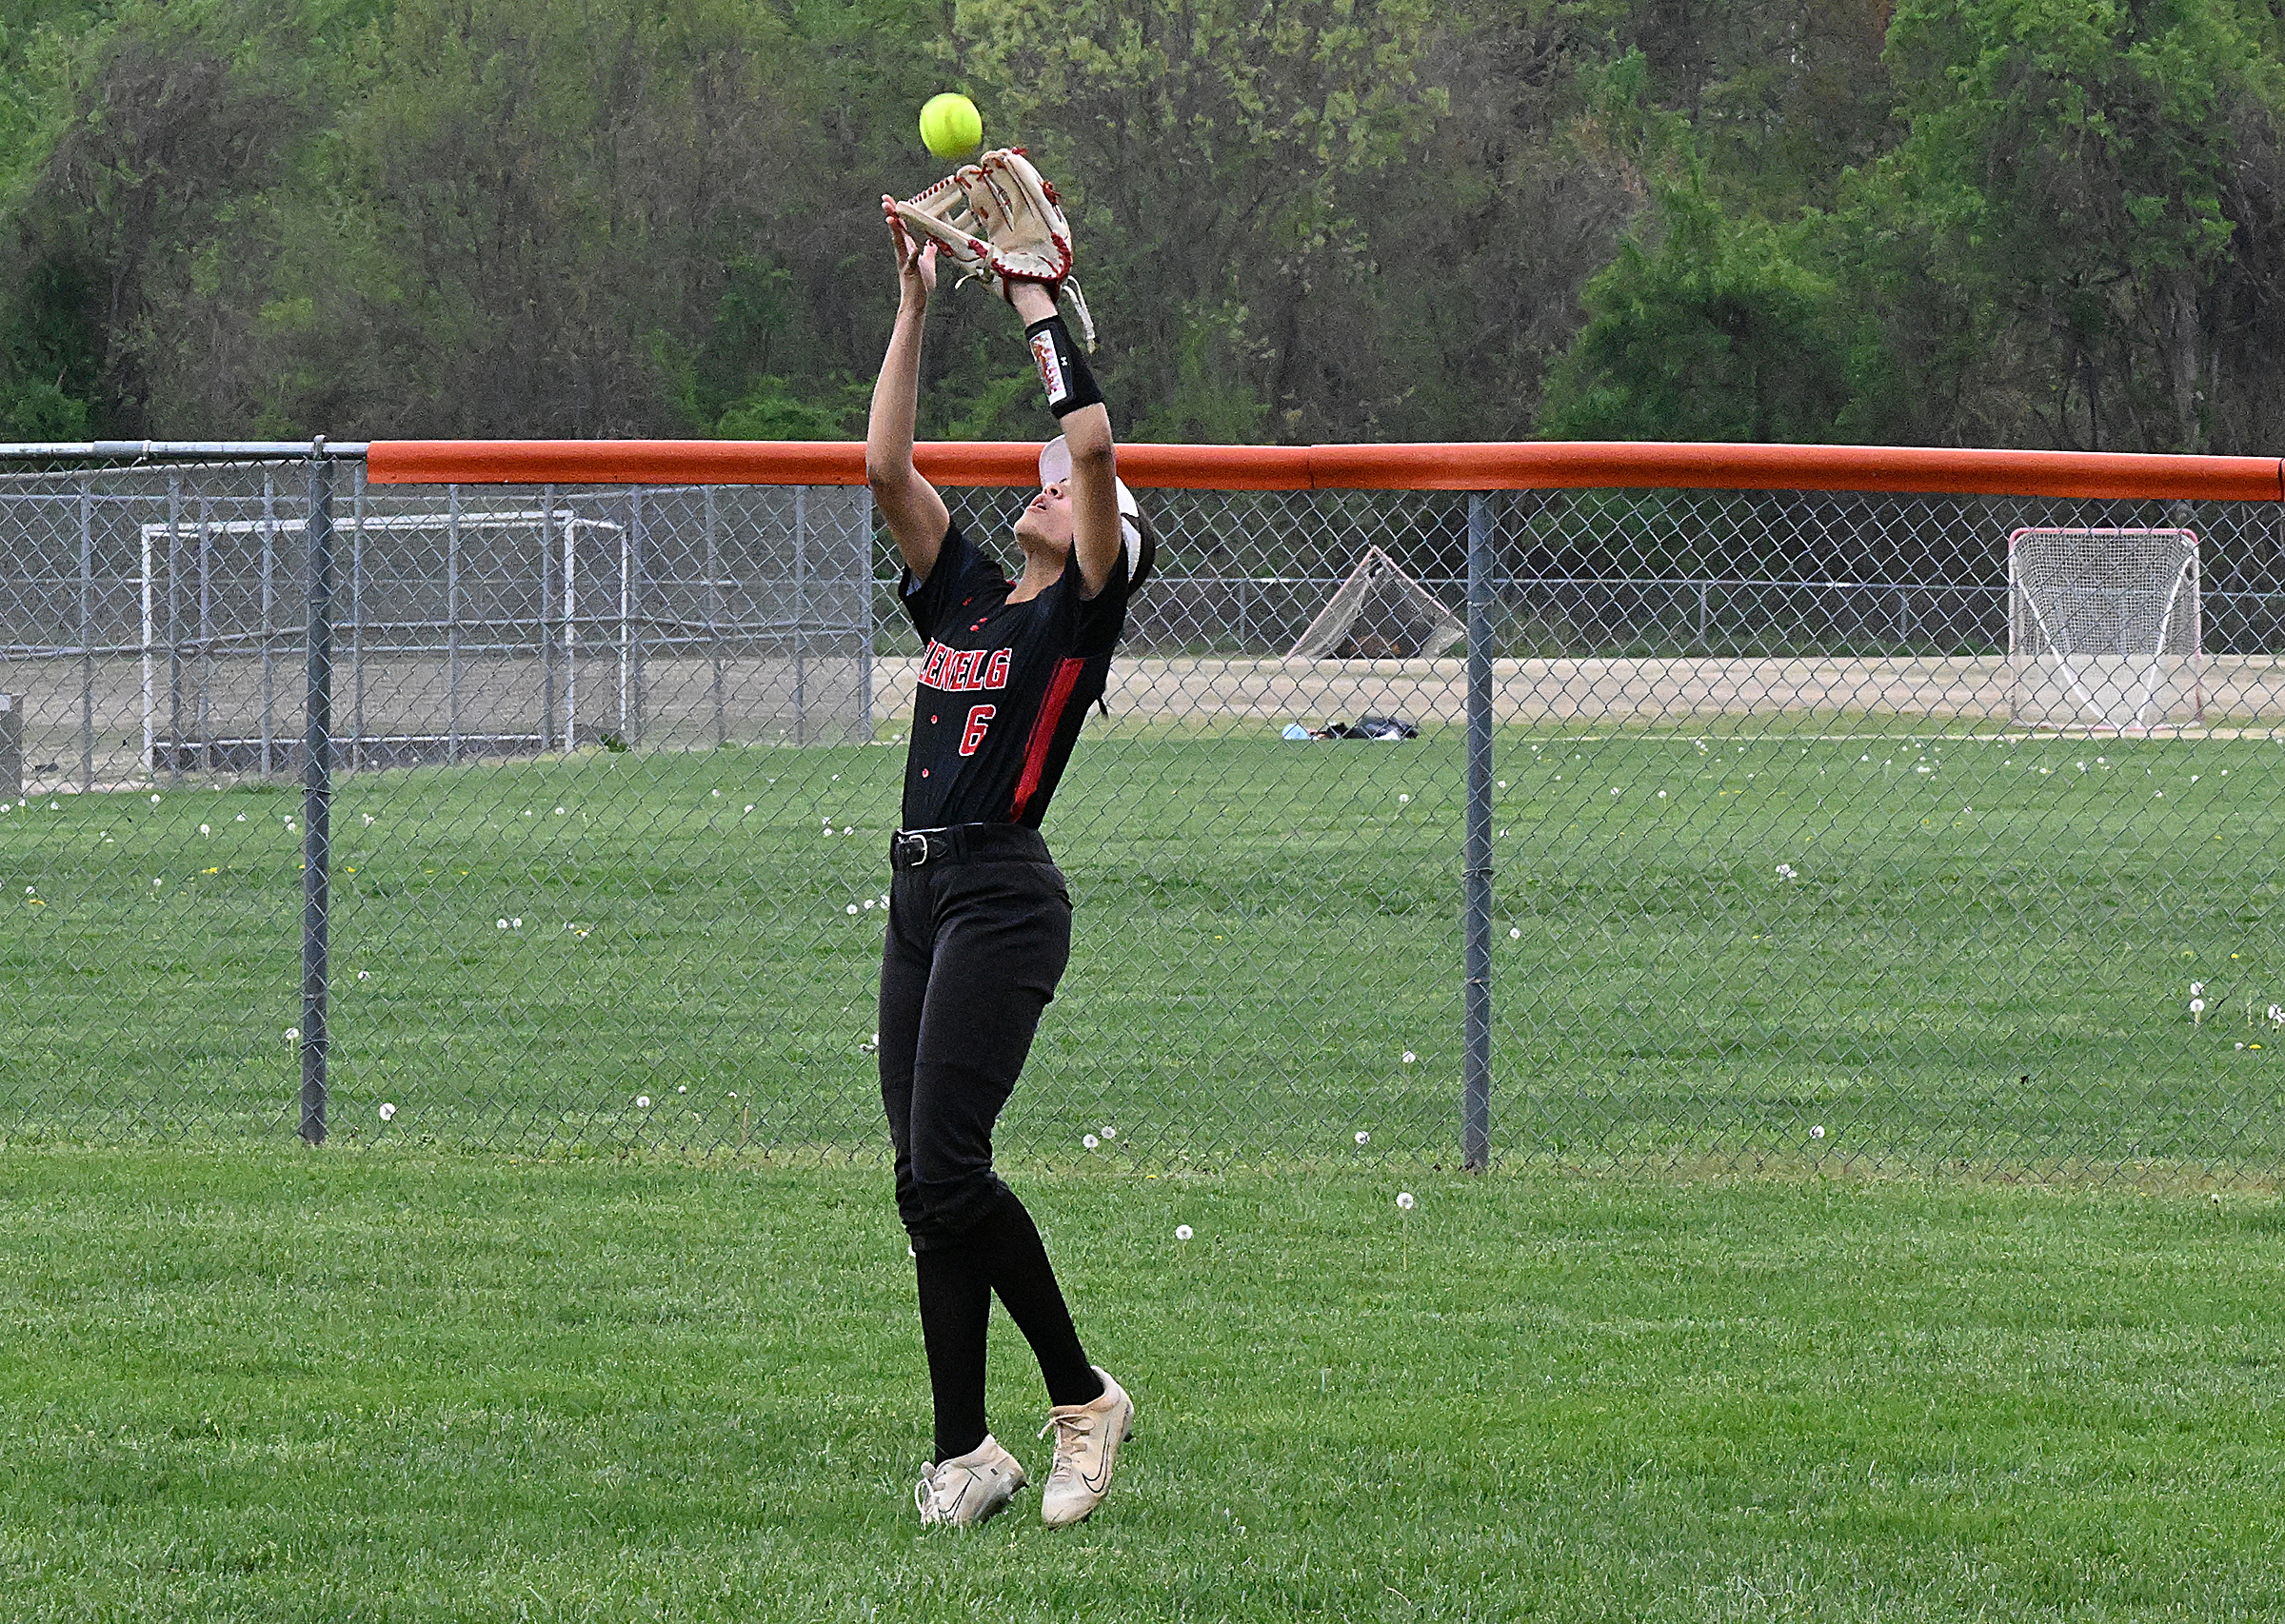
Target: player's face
{"x":1048,"y":522}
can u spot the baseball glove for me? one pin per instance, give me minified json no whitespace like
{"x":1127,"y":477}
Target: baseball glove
{"x":999,"y":220}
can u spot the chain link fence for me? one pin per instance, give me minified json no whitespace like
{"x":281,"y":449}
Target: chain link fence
{"x":1767,"y":873}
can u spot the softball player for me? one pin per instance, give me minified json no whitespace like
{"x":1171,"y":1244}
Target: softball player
{"x":980,"y":921}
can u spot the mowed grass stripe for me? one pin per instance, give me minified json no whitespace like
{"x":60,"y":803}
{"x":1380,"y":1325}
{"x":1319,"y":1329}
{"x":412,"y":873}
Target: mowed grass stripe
{"x":270,"y":1386}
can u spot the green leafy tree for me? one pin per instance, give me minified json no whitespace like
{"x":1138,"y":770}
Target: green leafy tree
{"x":1206,"y":149}
{"x":2051,"y":246}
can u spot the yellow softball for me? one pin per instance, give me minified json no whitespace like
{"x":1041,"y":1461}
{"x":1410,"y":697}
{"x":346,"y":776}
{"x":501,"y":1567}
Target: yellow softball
{"x":950,"y":125}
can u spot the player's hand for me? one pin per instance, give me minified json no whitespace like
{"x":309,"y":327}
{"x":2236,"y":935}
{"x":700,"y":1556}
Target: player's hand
{"x":916,"y":265}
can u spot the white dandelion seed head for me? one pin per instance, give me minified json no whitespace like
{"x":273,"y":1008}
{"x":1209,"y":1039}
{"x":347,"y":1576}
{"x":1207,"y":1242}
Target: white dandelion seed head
{"x":499,"y":924}
{"x":1110,"y":1133}
{"x":1409,"y":1057}
{"x":205,"y":829}
{"x":1364,"y":1138}
{"x":293,"y":1033}
{"x":515,"y":925}
{"x":387,"y":1110}
{"x":559,"y":812}
{"x":365,"y":975}
{"x":1090,"y":1141}
{"x":241,"y":816}
{"x":1514,"y":932}
{"x":2196,"y":987}
{"x":870,"y":904}
{"x":157,"y":882}
{"x":154,"y":801}
{"x":1818,"y":1132}
{"x":642,"y":1101}
{"x":2198,"y":1006}
{"x":1181,"y":1232}
{"x":852,"y":908}
{"x":1402,"y":799}
{"x":1404,"y":1200}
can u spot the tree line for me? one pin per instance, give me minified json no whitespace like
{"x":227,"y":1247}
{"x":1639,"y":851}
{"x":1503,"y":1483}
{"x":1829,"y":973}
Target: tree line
{"x":1993,"y":222}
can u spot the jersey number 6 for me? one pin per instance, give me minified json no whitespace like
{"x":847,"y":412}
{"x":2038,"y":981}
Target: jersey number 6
{"x":980,"y":717}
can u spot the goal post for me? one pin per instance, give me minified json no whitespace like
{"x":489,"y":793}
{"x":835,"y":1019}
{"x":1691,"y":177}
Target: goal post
{"x":2103,"y":628}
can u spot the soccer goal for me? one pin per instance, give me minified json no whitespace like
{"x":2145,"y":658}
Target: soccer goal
{"x":2103,"y":628}
{"x":1379,"y":613}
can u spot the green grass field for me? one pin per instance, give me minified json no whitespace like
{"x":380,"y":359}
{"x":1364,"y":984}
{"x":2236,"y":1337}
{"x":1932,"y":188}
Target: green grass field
{"x":265,"y":1386}
{"x":1710,"y":943}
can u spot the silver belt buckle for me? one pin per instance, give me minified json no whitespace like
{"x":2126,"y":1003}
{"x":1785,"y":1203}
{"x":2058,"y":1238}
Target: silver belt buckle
{"x":906,"y":841}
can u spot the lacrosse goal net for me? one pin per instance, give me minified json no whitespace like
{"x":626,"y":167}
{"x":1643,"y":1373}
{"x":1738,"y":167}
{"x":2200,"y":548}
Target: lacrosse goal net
{"x":2103,"y":628}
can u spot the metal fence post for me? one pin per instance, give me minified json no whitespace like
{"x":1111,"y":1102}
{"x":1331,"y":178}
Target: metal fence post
{"x":1476,"y":1107}
{"x":317,"y":796}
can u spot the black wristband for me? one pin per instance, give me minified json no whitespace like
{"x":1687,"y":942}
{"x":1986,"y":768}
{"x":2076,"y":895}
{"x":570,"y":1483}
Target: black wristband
{"x":1064,"y":372}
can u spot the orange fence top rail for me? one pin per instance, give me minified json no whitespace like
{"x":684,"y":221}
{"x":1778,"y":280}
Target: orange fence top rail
{"x":1525,"y":465}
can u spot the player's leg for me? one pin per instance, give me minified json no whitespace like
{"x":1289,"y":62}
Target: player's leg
{"x":969,"y":1475}
{"x":955,"y":1298}
{"x":1003,"y":941}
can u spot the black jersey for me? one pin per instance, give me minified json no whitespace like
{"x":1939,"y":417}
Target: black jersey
{"x":1004,"y":686}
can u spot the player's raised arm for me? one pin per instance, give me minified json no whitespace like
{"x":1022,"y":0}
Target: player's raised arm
{"x":1086,"y":424}
{"x":916,"y":514}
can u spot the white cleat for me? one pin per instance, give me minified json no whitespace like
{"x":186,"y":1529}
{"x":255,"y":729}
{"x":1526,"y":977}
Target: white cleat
{"x":1087,"y":1446}
{"x":968,"y":1488}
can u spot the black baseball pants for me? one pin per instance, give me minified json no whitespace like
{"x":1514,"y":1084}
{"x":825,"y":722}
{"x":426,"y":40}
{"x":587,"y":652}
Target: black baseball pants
{"x":978,"y":934}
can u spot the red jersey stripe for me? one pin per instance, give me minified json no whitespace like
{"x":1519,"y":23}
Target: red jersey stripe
{"x":1043,"y":732}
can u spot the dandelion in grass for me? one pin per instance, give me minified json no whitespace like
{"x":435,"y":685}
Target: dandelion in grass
{"x":1094,"y":1143}
{"x":515,"y":925}
{"x":1182,"y":1232}
{"x":205,"y":829}
{"x":2197,"y":988}
{"x":499,"y":924}
{"x":1514,"y":932}
{"x":1364,"y":1138}
{"x":1409,"y":1057}
{"x":852,"y":908}
{"x":642,"y":1101}
{"x":1402,"y":799}
{"x":1818,"y":1132}
{"x":388,"y":1111}
{"x":365,"y":975}
{"x":293,"y":1033}
{"x":2198,"y":1011}
{"x":1404,"y":1201}
{"x":154,"y":801}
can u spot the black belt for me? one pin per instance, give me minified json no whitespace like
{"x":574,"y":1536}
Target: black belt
{"x":966,"y":842}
